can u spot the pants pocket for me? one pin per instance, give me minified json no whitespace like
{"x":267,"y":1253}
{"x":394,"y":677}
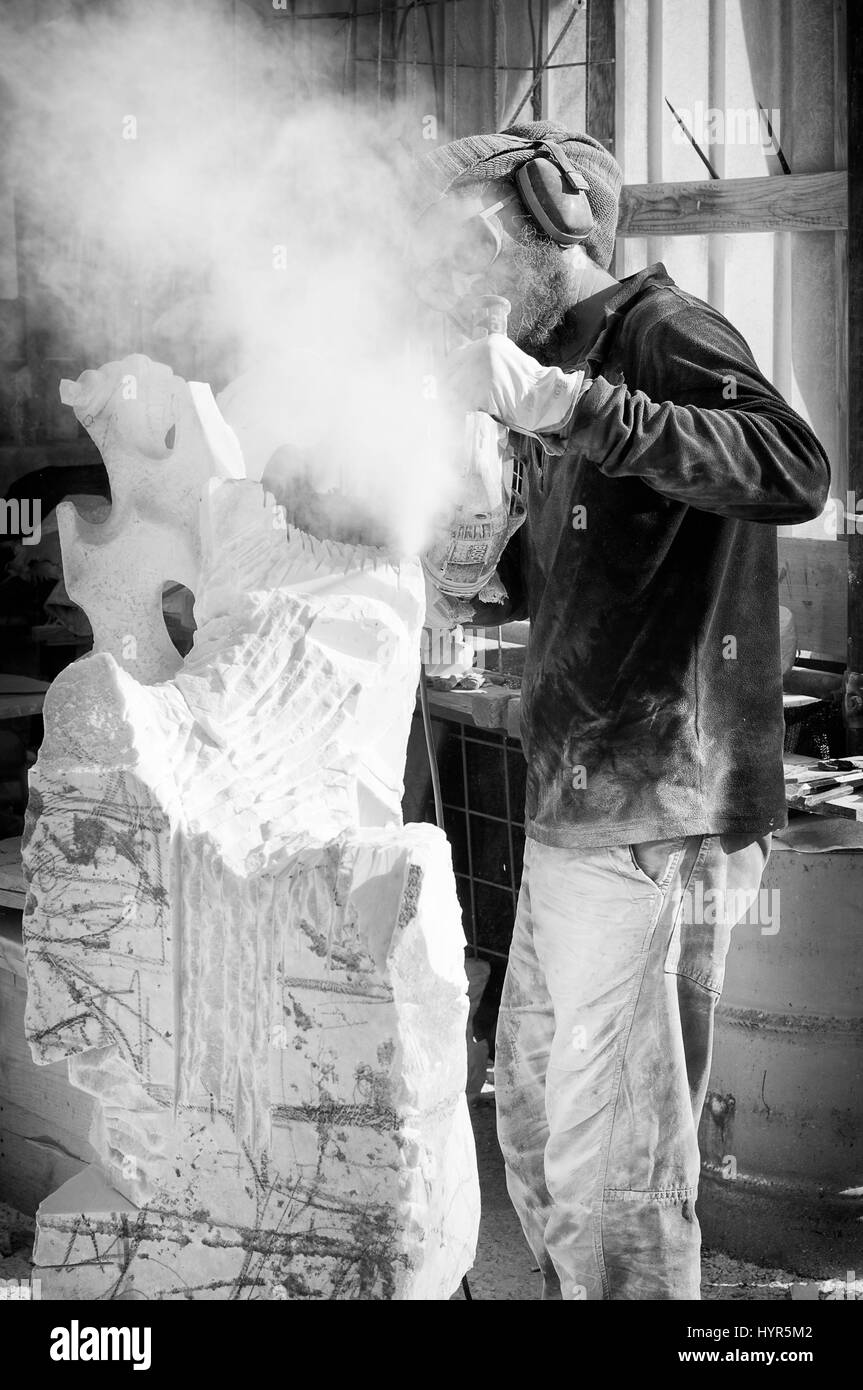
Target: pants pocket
{"x":716,"y":890}
{"x":656,"y":860}
{"x":697,"y":952}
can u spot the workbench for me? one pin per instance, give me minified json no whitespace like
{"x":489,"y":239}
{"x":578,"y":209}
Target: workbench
{"x":20,"y":696}
{"x":493,"y":707}
{"x":498,"y":707}
{"x":798,"y":770}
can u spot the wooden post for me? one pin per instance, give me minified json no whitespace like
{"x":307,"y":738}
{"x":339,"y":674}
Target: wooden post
{"x":539,"y":100}
{"x":654,"y":110}
{"x":854,"y":681}
{"x":716,"y":101}
{"x":599,"y":99}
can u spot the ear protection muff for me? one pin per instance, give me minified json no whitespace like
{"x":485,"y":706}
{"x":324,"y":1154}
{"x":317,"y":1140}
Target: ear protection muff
{"x":555,"y":194}
{"x":548,"y":188}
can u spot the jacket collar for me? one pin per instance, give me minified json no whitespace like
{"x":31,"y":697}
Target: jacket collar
{"x":569,"y":357}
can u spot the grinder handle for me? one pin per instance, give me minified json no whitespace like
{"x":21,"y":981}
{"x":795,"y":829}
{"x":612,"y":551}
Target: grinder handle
{"x":491,"y":315}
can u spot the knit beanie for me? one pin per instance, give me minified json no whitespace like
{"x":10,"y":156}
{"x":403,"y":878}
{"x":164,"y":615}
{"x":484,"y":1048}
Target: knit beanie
{"x":482,"y":158}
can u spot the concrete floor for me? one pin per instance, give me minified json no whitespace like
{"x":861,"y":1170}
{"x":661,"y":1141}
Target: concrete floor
{"x":505,"y":1269}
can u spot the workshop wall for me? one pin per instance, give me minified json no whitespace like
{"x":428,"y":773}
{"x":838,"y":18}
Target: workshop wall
{"x":431,"y":71}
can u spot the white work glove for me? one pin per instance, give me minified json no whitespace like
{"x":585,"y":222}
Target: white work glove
{"x":494,"y":375}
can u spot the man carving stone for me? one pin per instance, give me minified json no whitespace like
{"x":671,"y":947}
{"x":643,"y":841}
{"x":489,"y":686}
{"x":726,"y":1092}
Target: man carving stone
{"x":658,"y":466}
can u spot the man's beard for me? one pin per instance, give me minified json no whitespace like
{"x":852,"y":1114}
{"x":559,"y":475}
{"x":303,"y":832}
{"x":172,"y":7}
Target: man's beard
{"x":534,"y":275}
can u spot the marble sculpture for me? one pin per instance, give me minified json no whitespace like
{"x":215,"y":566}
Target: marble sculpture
{"x":251,"y":964}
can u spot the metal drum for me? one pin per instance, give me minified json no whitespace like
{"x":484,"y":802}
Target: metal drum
{"x":782,"y":1127}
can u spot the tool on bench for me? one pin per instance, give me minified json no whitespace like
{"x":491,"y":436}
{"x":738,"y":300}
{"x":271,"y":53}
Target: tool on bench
{"x":838,"y":786}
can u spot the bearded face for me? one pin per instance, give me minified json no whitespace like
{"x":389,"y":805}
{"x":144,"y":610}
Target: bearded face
{"x":539,"y":278}
{"x":539,"y":281}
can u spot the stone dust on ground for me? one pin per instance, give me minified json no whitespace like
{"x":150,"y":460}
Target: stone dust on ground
{"x":504,"y":1268}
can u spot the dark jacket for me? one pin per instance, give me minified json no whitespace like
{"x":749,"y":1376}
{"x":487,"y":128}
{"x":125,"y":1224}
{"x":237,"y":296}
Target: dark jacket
{"x":652,"y":694}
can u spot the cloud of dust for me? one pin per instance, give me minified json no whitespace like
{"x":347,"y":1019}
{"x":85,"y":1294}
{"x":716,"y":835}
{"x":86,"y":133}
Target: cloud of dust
{"x":182,"y":201}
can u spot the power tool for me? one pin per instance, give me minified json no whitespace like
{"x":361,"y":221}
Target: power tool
{"x":491,"y":507}
{"x":550,"y":192}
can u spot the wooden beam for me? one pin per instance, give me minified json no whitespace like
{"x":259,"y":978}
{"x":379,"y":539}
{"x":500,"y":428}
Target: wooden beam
{"x":716,"y":64}
{"x":539,"y":100}
{"x":786,"y":203}
{"x":654,"y":115}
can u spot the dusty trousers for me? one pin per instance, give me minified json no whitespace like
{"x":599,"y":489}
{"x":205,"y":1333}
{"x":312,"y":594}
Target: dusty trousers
{"x":603,"y":1050}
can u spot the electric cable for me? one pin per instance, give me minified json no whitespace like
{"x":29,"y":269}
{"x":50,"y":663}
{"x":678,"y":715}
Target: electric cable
{"x":576,"y":7}
{"x":430,"y":749}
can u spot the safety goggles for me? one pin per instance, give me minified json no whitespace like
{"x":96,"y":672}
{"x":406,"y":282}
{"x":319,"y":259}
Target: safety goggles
{"x":449,"y":252}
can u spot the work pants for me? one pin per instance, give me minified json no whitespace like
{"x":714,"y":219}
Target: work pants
{"x":603,"y":1053}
